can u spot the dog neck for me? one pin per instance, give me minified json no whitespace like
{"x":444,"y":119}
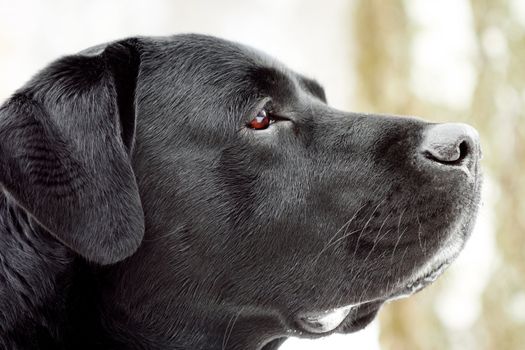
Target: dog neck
{"x":197,"y":327}
{"x":237,"y":330}
{"x":34,"y":279}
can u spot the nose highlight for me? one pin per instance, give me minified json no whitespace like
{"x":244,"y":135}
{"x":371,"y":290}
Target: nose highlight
{"x":450,"y":143}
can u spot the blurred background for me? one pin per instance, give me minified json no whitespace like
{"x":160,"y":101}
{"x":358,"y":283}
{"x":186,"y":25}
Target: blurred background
{"x":447,"y":60}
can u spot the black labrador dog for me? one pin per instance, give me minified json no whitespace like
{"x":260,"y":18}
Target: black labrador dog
{"x":192,"y":193}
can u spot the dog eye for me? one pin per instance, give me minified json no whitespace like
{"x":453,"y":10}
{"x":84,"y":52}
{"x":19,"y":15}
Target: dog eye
{"x":261,"y":121}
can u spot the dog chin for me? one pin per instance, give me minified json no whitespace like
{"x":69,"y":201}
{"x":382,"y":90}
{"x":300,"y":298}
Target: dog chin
{"x":354,"y":317}
{"x":431,"y":270}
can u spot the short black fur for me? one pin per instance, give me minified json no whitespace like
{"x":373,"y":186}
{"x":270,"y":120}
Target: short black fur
{"x":139,"y":210}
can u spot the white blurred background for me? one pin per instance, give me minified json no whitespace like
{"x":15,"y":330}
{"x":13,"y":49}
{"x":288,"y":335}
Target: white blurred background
{"x":448,"y":60}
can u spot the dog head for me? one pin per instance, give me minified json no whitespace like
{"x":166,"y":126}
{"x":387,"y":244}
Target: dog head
{"x":262,"y":205}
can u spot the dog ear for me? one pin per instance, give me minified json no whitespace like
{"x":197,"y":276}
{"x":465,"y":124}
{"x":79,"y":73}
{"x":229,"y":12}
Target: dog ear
{"x":65,"y":146}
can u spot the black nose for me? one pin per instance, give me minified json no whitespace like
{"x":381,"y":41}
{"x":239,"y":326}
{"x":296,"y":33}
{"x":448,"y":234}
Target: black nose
{"x":451,"y":144}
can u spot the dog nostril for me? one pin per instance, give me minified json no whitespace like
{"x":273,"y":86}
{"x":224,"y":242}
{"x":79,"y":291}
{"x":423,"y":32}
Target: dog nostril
{"x":463,"y":150}
{"x":451,"y":143}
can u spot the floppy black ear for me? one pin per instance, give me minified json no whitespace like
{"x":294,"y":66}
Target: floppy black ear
{"x":65,"y":144}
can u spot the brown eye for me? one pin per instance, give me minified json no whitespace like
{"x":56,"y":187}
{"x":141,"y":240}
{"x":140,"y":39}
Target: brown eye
{"x":261,"y":121}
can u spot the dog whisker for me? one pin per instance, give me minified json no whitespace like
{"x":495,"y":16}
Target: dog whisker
{"x":423,"y":249}
{"x":346,"y":224}
{"x":400,"y":264}
{"x":399,"y":235}
{"x":361,"y":297}
{"x":229,"y":329}
{"x":363,"y":229}
{"x":330,"y":243}
{"x":337,"y":241}
{"x":378,"y":238}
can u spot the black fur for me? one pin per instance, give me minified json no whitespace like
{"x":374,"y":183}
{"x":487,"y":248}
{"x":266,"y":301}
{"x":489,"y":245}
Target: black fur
{"x":140,"y":212}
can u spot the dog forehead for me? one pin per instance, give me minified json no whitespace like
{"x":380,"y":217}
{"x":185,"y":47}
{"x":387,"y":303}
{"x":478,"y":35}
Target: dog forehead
{"x":206,"y":61}
{"x":210,"y":84}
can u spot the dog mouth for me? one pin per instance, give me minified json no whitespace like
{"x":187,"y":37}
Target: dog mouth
{"x":347,"y":319}
{"x":354,"y":317}
{"x":326,"y":321}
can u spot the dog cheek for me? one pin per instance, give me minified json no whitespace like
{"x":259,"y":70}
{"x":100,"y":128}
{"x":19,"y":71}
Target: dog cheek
{"x":238,"y":184}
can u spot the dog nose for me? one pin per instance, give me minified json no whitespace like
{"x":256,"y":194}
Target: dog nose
{"x":451,"y":144}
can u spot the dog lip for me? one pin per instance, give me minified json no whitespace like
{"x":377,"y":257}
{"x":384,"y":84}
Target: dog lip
{"x":324,"y":321}
{"x":346,"y":319}
{"x":361,"y":317}
{"x":422,"y":281}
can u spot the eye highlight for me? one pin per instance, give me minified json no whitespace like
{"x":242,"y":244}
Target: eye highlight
{"x":261,"y":121}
